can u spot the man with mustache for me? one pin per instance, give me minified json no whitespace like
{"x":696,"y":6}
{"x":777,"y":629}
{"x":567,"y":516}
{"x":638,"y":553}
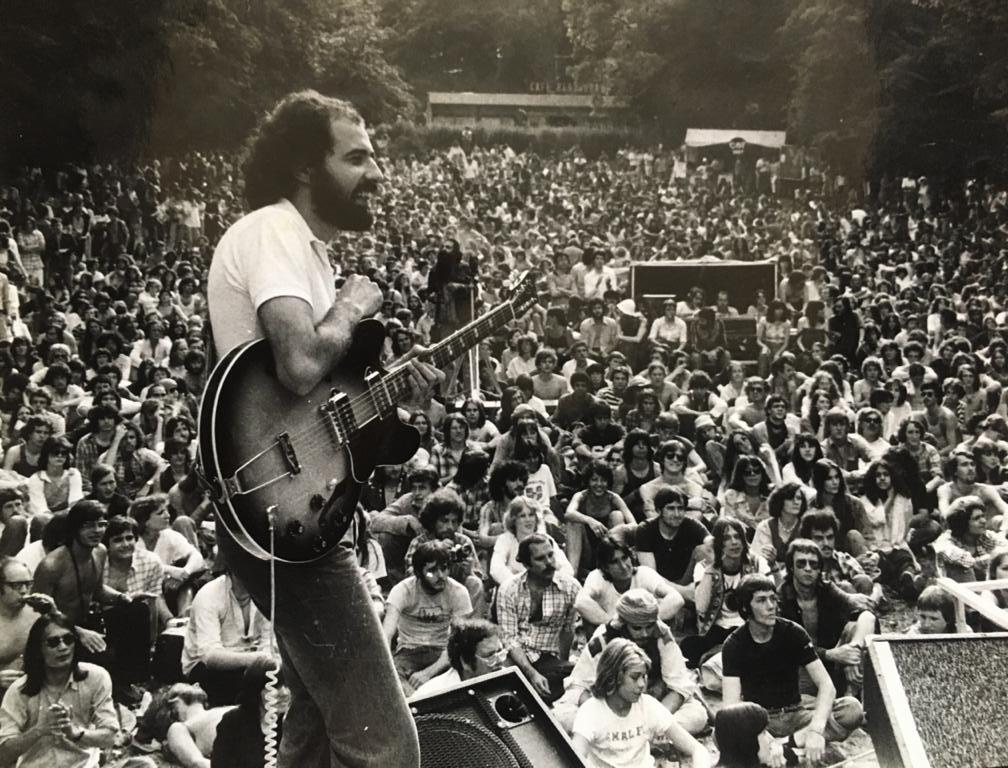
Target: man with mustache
{"x":310,"y":172}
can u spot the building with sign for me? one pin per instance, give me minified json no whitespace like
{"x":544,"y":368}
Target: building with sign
{"x":526,"y":110}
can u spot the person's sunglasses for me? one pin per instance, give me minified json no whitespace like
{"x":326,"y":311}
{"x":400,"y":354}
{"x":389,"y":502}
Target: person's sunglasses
{"x":752,"y":471}
{"x":810,"y":565}
{"x":57,"y":641}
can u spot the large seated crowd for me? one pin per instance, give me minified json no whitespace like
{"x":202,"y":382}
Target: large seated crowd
{"x":622,"y":494}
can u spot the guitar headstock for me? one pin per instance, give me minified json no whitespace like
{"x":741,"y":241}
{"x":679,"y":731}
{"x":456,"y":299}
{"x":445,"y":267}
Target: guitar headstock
{"x":524,"y":295}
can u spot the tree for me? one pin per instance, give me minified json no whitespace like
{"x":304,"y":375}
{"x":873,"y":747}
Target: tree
{"x":700,"y":63}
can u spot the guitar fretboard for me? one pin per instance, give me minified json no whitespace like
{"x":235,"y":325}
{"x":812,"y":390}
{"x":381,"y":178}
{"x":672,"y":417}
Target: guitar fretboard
{"x":385,"y":391}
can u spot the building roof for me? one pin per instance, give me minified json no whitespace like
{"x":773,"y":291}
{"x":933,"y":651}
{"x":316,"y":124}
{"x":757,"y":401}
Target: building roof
{"x":569,"y":100}
{"x":705,"y":137}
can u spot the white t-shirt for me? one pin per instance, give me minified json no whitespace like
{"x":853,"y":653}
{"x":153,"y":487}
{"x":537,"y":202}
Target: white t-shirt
{"x":423,"y":617}
{"x":540,"y":486}
{"x":601,"y":590}
{"x":170,"y":547}
{"x":271,"y":252}
{"x":621,"y":742}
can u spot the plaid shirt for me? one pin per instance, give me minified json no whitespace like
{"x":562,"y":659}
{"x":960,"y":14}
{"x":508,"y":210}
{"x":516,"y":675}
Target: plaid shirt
{"x":514,"y":610}
{"x":444,"y":461}
{"x":474,"y":499}
{"x":146,"y":574}
{"x":959,"y":563}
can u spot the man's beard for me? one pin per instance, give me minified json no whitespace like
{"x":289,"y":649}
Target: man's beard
{"x":334,"y":206}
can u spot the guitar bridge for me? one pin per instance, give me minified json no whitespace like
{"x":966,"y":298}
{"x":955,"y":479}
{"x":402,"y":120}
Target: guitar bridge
{"x":290,"y":457}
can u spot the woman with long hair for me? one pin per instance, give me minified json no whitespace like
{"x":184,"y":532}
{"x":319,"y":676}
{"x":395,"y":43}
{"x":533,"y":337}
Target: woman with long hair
{"x":786,"y":505}
{"x":832,"y":495}
{"x":645,"y":415}
{"x":619,"y":703}
{"x":446,"y":456}
{"x":747,"y":493}
{"x":637,"y":466}
{"x":507,"y":481}
{"x":717,"y":614}
{"x":482,"y":431}
{"x":470,"y":483}
{"x":773,"y":334}
{"x":523,"y":518}
{"x":885,"y":526}
{"x":423,"y":425}
{"x":964,"y":551}
{"x":806,"y":450}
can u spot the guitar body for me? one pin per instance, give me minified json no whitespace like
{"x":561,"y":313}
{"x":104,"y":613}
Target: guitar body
{"x":267,"y":452}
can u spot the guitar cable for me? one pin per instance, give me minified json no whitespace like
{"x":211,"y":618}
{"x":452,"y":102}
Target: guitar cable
{"x":271,"y":693}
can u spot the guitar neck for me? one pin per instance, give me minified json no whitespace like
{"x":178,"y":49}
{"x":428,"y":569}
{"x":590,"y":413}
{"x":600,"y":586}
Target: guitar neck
{"x":454,"y":346}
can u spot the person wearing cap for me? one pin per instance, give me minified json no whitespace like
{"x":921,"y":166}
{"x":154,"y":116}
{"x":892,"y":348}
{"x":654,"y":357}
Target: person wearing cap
{"x":633,"y":328}
{"x":637,"y":619}
{"x":669,"y":330}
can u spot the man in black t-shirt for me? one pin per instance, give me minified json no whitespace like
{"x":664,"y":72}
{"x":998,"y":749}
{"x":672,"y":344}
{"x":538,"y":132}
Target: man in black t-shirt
{"x":668,"y":543}
{"x":762,"y":660}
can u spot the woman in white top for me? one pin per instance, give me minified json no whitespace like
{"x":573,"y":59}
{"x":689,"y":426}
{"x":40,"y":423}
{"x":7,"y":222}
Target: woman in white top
{"x":523,"y":518}
{"x":56,"y":486}
{"x":182,"y":560}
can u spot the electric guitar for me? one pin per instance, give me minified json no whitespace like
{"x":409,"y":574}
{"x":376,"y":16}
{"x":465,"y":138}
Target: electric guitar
{"x":285,"y":472}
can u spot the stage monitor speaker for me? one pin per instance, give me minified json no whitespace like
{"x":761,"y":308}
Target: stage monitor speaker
{"x":938,"y":701}
{"x":493,"y":721}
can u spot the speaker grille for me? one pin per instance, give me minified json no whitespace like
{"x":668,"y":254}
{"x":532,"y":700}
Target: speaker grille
{"x":451,"y":741}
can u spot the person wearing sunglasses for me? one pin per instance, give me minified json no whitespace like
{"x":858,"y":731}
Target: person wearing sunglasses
{"x":836,"y":621}
{"x":60,"y":711}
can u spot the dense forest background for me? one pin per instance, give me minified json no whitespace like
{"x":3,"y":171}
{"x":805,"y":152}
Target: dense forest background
{"x":877,"y":85}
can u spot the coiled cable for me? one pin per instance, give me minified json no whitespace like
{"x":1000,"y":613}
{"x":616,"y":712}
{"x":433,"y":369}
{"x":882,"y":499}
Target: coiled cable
{"x":270,"y":692}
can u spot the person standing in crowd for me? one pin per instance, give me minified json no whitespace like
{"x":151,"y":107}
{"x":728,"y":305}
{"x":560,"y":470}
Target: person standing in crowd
{"x":303,"y":191}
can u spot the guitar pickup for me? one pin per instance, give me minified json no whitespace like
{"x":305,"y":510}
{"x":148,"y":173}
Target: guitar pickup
{"x":290,"y":457}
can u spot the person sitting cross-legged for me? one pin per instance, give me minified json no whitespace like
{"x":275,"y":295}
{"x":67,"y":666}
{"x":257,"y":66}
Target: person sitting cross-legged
{"x":834,"y":619}
{"x":615,"y":574}
{"x":535,"y":610}
{"x":762,"y":663}
{"x":418,"y":613}
{"x":619,"y":722}
{"x":669,"y":681}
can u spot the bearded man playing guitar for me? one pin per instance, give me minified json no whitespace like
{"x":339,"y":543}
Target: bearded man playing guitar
{"x":310,"y":172}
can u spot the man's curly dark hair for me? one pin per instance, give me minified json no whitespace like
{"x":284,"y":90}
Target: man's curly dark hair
{"x":295,"y":136}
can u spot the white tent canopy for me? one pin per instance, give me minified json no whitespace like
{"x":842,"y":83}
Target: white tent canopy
{"x":706,"y":137}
